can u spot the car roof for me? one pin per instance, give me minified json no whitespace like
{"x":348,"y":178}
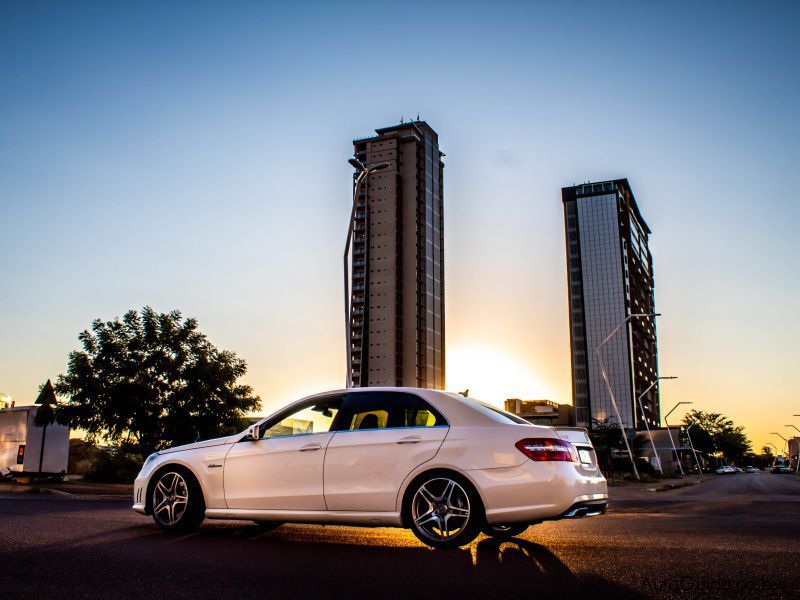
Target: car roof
{"x":457,"y":409}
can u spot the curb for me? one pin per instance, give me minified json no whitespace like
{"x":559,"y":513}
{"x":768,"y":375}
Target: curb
{"x":29,"y":489}
{"x":675,"y":486}
{"x":72,"y":496}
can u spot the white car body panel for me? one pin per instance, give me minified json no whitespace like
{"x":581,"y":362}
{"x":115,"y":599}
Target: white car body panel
{"x":360,"y":477}
{"x":277,"y":473}
{"x":365,"y":469}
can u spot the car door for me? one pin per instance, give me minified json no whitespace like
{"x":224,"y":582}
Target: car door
{"x":380,"y":438}
{"x":283,"y":469}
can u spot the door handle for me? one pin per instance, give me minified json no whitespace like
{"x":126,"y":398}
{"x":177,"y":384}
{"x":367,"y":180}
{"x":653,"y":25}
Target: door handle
{"x":310,"y":447}
{"x":414,"y":439}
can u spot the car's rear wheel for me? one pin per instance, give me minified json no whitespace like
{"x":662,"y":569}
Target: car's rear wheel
{"x":443,"y":510}
{"x":177,"y":500}
{"x":505,"y":531}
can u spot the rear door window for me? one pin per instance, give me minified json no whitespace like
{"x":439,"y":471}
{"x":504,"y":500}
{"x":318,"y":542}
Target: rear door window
{"x":386,"y":410}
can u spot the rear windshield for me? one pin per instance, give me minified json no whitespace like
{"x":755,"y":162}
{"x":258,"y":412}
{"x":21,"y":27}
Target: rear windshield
{"x":490,"y":411}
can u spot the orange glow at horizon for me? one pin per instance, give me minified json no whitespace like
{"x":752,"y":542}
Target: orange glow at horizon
{"x":493,"y":376}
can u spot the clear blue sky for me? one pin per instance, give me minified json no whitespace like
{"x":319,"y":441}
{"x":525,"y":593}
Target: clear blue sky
{"x":193,"y":156}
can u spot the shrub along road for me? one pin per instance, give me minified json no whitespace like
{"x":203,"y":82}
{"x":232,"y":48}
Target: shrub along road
{"x":732,"y":536}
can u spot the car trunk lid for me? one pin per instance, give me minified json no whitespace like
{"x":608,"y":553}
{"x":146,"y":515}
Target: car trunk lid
{"x":579,"y":438}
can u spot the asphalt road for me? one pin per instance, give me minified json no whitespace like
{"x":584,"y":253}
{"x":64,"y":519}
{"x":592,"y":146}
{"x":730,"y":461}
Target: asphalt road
{"x":734,"y":536}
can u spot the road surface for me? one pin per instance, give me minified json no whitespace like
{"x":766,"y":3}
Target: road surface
{"x":735,"y":536}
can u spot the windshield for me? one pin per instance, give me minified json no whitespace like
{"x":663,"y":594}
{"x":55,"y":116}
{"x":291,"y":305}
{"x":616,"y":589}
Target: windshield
{"x":490,"y":411}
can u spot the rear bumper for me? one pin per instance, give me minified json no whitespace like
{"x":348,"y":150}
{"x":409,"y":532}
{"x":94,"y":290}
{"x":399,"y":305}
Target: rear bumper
{"x":540,"y":491}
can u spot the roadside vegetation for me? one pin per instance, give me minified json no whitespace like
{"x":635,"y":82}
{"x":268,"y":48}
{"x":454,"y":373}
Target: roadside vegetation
{"x":716,"y":438}
{"x":144,"y":383}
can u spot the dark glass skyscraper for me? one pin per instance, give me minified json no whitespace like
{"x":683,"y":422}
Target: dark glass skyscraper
{"x":397,"y":303}
{"x":610,"y":276}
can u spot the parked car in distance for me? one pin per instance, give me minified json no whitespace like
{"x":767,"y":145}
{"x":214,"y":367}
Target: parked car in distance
{"x":445,"y":466}
{"x":750,"y":469}
{"x":781,"y":470}
{"x":725,"y":470}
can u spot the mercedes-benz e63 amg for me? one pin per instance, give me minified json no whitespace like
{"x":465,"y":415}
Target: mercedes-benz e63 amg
{"x":446,"y":466}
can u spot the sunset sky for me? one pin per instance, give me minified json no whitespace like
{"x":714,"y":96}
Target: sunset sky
{"x":194,"y":156}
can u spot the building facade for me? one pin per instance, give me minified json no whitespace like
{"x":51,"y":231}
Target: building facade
{"x":397,"y":305}
{"x":609,"y":277}
{"x":541,"y":412}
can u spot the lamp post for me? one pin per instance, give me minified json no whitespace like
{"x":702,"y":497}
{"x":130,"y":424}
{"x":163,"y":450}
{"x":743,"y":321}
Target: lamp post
{"x":797,"y":465}
{"x":363,"y":173}
{"x":776,"y":450}
{"x":785,"y":441}
{"x":674,"y":449}
{"x":697,"y":460}
{"x":598,"y":350}
{"x":649,"y":433}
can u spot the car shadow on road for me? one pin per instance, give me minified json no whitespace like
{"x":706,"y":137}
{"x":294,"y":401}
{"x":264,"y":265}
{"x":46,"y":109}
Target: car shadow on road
{"x":224,"y":560}
{"x":359,"y":562}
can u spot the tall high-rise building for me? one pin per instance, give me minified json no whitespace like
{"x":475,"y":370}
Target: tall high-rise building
{"x":397,"y":291}
{"x":610,"y":276}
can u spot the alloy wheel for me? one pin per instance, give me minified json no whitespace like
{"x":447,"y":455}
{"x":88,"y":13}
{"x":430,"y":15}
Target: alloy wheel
{"x":440,"y":509}
{"x":170,"y":498}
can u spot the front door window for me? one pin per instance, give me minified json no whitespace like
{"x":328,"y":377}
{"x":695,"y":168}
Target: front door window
{"x":314,"y":417}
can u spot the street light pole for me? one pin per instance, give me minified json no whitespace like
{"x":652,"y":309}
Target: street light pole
{"x":674,"y":449}
{"x":650,"y":433}
{"x":785,"y":441}
{"x":363,"y":173}
{"x":697,"y":460}
{"x":598,"y":350}
{"x":776,"y":449}
{"x":797,"y":463}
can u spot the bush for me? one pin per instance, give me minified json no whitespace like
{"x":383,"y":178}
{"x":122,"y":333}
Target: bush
{"x":82,"y":455}
{"x":114,"y":465}
{"x":622,"y":468}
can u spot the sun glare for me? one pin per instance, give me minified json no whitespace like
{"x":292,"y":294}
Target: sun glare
{"x":492,"y":375}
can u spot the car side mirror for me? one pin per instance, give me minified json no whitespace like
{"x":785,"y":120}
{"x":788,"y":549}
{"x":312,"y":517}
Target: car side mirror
{"x":253,"y":434}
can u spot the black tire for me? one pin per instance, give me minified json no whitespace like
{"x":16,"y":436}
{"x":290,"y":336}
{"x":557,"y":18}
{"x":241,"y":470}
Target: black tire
{"x":505,"y":531}
{"x":176,"y":499}
{"x":443,"y":510}
{"x":268,"y":525}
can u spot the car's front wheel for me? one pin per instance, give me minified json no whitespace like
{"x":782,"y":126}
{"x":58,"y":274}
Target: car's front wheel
{"x":505,"y":531}
{"x":444,"y":511}
{"x":177,"y":500}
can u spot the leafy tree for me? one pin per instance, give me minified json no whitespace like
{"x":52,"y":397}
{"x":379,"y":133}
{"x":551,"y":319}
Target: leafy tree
{"x":45,"y":415}
{"x":153,"y":379}
{"x":763,"y":459}
{"x":607,"y":440}
{"x":766,"y":452}
{"x":715,"y":433}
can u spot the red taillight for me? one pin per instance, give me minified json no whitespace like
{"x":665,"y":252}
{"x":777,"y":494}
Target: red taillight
{"x":548,"y":449}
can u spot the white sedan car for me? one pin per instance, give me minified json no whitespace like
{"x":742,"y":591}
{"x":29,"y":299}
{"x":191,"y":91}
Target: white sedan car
{"x":446,"y":466}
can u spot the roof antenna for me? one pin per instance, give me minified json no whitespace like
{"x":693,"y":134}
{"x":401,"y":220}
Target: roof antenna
{"x":417,"y":115}
{"x":401,"y":120}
